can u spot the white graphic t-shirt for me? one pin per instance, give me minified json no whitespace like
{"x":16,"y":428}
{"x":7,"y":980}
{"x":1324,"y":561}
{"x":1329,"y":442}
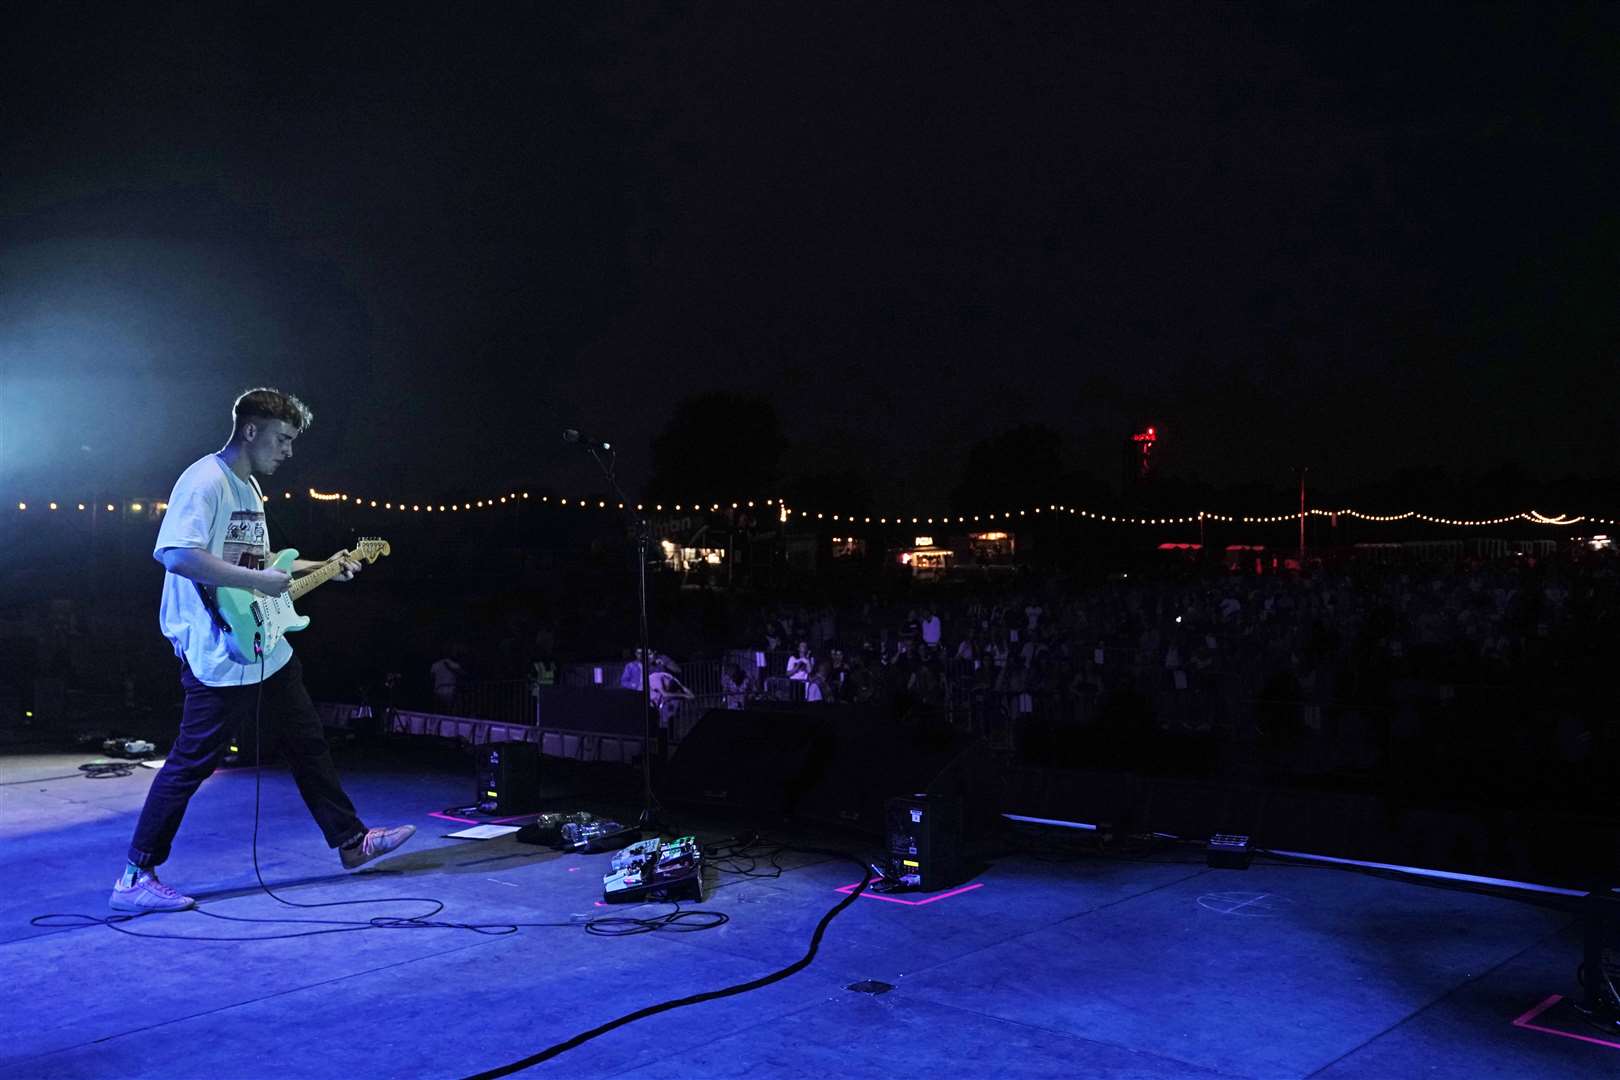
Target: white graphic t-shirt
{"x":214,"y":510}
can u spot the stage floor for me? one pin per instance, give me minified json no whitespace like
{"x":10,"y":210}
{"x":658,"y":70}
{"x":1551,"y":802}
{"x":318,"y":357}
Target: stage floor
{"x":1046,"y":967}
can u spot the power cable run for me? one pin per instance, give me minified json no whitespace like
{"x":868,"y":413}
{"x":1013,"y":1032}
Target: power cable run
{"x":693,"y":999}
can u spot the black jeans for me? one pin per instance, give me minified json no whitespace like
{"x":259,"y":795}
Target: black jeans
{"x":212,"y":714}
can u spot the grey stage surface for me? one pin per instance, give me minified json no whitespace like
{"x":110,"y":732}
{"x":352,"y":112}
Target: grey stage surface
{"x":1047,"y":968}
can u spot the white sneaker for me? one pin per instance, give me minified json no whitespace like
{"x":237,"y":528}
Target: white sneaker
{"x":147,"y":893}
{"x":377,"y":843}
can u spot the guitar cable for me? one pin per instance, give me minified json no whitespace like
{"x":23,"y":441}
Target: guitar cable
{"x":677,"y":921}
{"x":377,"y":922}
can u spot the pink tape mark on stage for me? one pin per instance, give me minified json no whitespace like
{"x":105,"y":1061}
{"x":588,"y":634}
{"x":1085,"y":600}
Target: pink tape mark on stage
{"x":477,"y":821}
{"x":451,"y":817}
{"x":1525,"y":1022}
{"x":852,"y":886}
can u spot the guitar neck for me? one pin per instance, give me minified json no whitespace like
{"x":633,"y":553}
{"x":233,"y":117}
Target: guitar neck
{"x":319,"y":576}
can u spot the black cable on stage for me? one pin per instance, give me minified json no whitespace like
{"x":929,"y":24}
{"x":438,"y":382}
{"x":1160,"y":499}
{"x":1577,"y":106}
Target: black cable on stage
{"x":93,"y":770}
{"x":692,"y":999}
{"x":258,"y":706}
{"x":48,"y":779}
{"x":424,"y":921}
{"x":676,"y":922}
{"x":333,"y":926}
{"x":107,"y":770}
{"x":739,"y":859}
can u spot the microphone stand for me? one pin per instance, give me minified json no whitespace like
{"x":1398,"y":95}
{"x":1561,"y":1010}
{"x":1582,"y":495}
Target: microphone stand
{"x":651,"y":817}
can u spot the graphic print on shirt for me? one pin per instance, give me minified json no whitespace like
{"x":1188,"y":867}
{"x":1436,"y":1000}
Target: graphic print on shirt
{"x":246,"y":541}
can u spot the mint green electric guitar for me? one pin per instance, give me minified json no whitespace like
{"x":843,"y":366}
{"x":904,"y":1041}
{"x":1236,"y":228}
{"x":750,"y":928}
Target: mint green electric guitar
{"x":254,"y":623}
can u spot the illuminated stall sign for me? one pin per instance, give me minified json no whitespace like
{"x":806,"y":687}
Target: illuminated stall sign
{"x":684,"y":559}
{"x":993,"y":546}
{"x":932,"y":557}
{"x":848,"y":547}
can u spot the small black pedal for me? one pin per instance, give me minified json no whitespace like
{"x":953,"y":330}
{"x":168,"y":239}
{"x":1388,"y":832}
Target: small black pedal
{"x":601,"y":836}
{"x":547,"y":829}
{"x":1228,"y":851}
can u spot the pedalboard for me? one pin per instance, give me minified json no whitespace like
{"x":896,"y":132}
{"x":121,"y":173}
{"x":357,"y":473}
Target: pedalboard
{"x":656,"y":870}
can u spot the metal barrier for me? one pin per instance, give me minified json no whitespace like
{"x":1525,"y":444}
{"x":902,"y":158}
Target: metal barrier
{"x":506,"y":701}
{"x":466,"y":731}
{"x":703,"y":677}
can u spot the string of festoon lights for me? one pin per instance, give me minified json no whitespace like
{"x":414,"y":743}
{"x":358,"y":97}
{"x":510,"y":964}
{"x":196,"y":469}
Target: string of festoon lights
{"x":1202,"y":516}
{"x":140,"y":506}
{"x":495,"y":502}
{"x":783,"y":513}
{"x":134,"y":506}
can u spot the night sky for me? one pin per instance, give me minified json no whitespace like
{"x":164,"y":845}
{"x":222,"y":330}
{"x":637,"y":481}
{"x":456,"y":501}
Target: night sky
{"x":1329,"y":234}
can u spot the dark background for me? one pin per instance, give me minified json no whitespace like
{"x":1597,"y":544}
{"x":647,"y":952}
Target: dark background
{"x":1363,"y":238}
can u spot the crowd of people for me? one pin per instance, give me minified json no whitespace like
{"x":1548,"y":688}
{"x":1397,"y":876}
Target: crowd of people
{"x":1365,"y":654}
{"x":1355,"y":663}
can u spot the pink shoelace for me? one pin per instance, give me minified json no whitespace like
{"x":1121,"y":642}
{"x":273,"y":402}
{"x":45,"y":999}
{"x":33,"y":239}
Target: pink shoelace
{"x":156,"y":886}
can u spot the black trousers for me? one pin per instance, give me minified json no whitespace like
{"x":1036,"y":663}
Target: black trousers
{"x":212,"y":714}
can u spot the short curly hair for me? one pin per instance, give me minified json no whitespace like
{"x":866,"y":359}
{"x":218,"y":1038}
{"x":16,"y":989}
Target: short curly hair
{"x":268,"y":403}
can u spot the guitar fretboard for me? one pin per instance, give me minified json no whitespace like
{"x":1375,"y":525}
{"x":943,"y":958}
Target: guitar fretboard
{"x":319,"y":576}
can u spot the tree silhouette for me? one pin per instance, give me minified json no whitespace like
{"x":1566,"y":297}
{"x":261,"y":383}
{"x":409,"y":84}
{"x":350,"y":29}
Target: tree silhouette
{"x":845,"y":491}
{"x":718,"y":447}
{"x":1011,"y":470}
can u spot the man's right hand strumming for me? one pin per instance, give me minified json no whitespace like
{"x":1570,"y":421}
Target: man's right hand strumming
{"x":272,"y":582}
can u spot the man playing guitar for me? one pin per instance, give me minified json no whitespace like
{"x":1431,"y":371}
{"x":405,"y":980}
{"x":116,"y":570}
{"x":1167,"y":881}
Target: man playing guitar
{"x":214,"y":535}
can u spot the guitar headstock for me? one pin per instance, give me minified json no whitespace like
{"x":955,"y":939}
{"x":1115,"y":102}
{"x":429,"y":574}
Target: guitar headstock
{"x":370,"y":548}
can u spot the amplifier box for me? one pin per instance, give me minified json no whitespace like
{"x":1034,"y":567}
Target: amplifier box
{"x":508,"y":778}
{"x":923,"y":837}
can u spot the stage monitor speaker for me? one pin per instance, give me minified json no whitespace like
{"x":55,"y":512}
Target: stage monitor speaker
{"x":922,"y":835}
{"x":875,"y":758}
{"x":590,"y":709}
{"x":837,"y":764}
{"x":508,"y":778}
{"x":761,"y":761}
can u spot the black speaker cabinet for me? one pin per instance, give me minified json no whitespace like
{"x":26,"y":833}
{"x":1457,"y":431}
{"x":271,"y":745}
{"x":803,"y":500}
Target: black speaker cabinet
{"x":508,"y":778}
{"x":757,"y":760}
{"x":837,"y":764}
{"x":923,"y":838}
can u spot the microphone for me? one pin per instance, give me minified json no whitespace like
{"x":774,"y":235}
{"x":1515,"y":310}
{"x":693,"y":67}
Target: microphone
{"x":574,"y":435}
